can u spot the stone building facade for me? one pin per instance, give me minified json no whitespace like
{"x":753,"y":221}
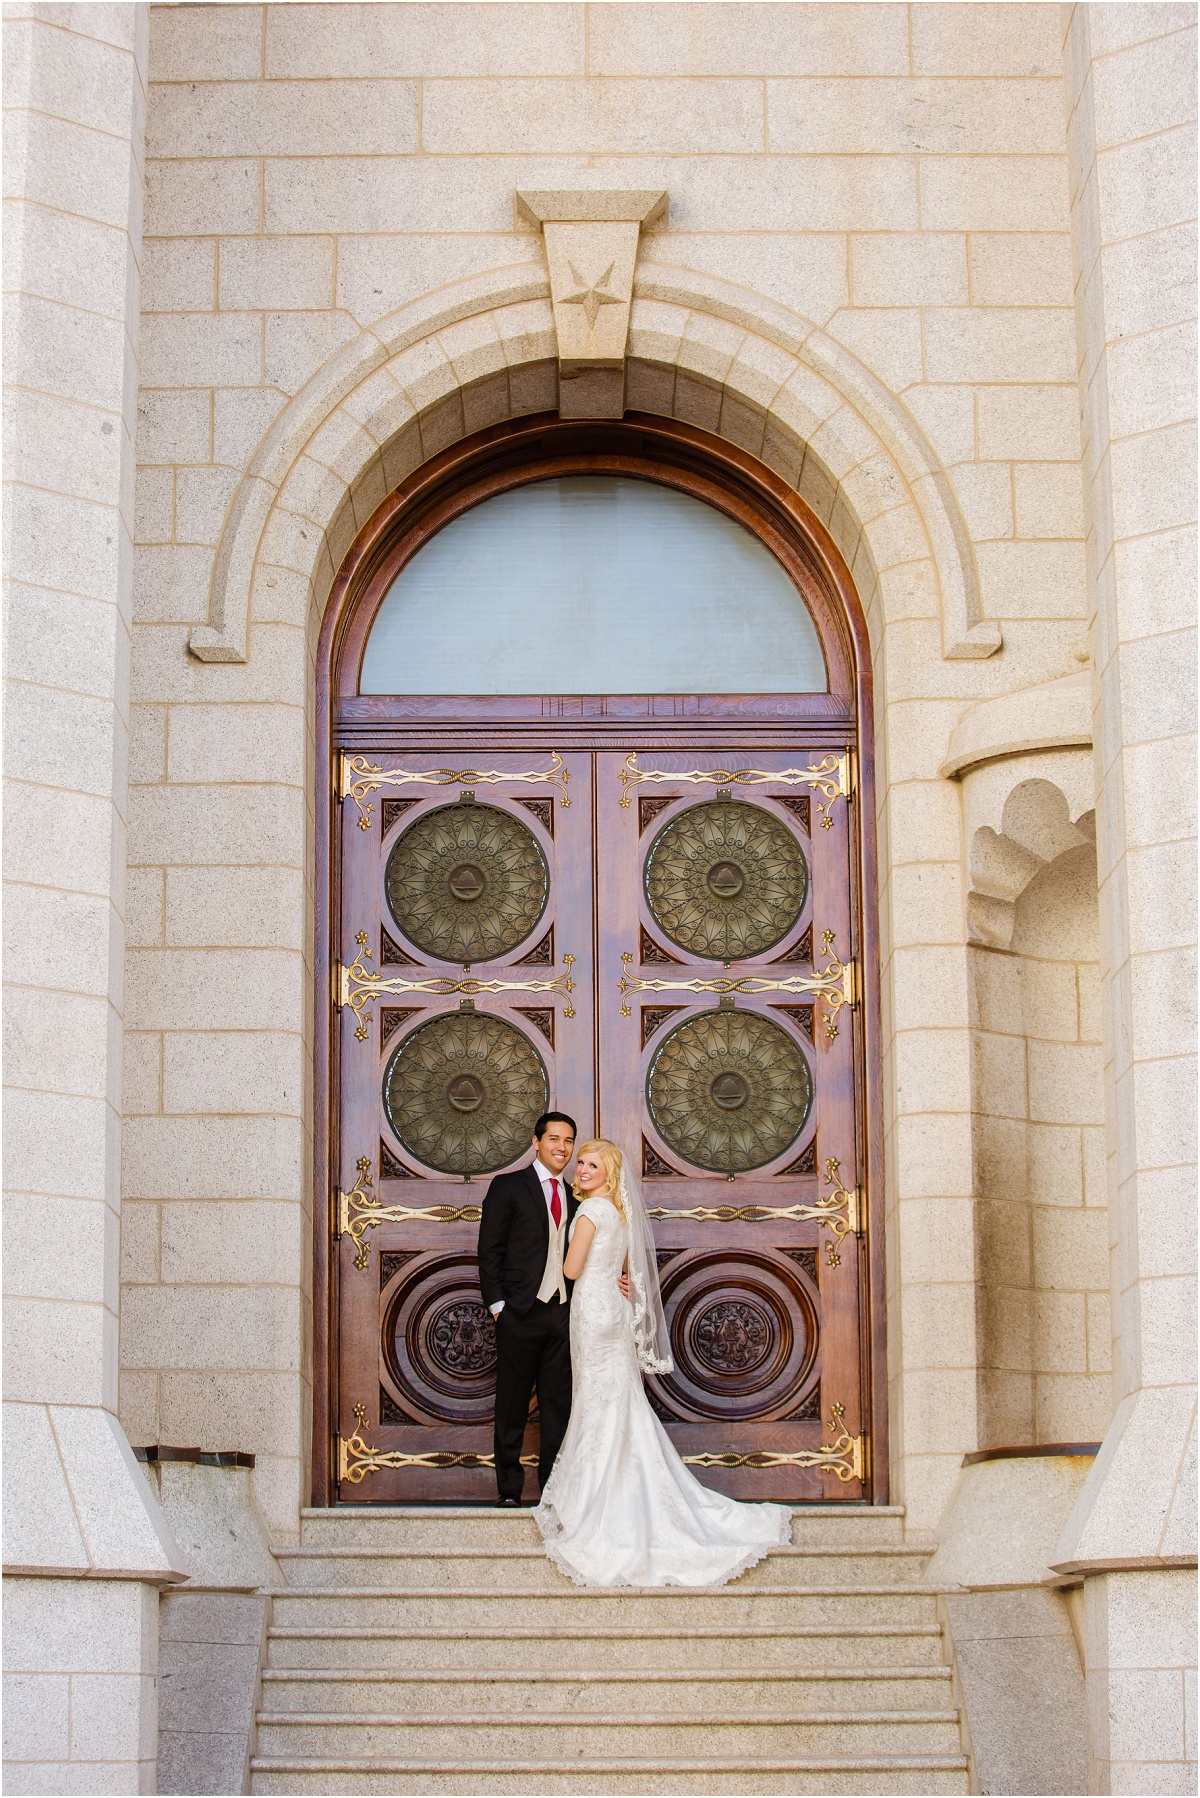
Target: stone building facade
{"x":932,"y":266}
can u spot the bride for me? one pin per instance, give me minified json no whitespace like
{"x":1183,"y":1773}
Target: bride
{"x":620,"y":1507}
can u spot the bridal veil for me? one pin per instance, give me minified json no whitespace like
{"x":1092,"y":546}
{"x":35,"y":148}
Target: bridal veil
{"x":649,"y":1319}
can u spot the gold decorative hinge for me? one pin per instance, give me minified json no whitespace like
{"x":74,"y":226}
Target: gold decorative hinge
{"x":855,"y":1206}
{"x":356,"y":1458}
{"x":837,"y":985}
{"x":840,"y":1211}
{"x":358,"y":985}
{"x":345,"y":1202}
{"x":845,"y":1457}
{"x":360,"y":777}
{"x":832,"y":777}
{"x":357,"y":1211}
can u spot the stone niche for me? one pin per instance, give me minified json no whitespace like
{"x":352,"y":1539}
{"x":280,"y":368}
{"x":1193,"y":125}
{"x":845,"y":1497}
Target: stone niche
{"x":1041,"y":1204}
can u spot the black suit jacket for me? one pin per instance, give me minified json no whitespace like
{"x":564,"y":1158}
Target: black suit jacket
{"x":514,"y":1236}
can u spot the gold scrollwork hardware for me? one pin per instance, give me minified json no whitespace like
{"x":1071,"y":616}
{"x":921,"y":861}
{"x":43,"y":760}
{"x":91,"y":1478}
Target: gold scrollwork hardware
{"x":346,"y":1202}
{"x":358,"y":986}
{"x":837,"y":985}
{"x":360,"y":777}
{"x":845,"y":1456}
{"x":832,"y":777}
{"x":356,"y":1458}
{"x":853,"y":1202}
{"x":839,"y":1211}
{"x":359,"y":1210}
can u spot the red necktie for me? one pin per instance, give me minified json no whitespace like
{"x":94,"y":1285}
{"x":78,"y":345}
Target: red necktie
{"x":555,"y":1204}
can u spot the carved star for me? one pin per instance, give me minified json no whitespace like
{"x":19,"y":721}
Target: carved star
{"x":591,"y":296}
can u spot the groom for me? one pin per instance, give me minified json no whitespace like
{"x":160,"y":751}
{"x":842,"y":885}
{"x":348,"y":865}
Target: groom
{"x":522,"y":1241}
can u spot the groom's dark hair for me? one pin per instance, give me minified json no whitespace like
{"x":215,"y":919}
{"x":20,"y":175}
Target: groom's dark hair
{"x":553,"y":1117}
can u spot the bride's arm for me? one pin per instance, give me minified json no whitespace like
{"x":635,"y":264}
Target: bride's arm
{"x":581,"y":1242}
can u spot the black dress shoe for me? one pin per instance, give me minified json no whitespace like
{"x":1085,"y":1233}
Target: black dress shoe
{"x":508,"y":1501}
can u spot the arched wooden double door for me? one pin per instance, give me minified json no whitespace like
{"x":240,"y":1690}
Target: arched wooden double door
{"x":646,"y":911}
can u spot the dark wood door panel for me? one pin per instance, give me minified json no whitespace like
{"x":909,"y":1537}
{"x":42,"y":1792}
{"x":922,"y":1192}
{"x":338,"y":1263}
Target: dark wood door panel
{"x":729,"y":1054}
{"x":466,"y":924}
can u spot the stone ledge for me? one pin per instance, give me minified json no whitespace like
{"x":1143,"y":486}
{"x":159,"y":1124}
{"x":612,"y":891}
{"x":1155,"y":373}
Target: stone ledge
{"x":1137,"y":1509}
{"x":1055,"y":715}
{"x":643,"y":206}
{"x":1003,"y":1521}
{"x":77,"y":1506}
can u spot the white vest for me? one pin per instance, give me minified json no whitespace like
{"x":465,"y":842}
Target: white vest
{"x":553,"y":1280}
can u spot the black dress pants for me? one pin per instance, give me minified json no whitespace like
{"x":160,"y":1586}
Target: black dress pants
{"x":534,"y":1350}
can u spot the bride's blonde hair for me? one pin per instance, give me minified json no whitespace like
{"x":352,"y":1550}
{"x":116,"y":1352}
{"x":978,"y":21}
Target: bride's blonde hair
{"x":613,"y":1161}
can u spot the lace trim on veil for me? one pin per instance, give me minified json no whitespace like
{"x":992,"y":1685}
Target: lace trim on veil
{"x":645,"y":1328}
{"x":650,"y":1334}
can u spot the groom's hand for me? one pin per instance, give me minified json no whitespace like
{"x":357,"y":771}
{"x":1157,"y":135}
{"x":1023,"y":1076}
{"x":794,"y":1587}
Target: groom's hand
{"x":623,"y":1283}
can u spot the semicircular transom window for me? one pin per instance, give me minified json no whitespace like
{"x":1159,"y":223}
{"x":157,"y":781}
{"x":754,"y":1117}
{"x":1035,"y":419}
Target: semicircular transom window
{"x":593,"y":584}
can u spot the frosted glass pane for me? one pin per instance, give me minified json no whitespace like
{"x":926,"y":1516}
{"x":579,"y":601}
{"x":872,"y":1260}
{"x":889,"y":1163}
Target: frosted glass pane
{"x":593,"y":584}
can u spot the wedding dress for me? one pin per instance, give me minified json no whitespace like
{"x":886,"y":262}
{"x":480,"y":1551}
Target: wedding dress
{"x":620,"y":1507}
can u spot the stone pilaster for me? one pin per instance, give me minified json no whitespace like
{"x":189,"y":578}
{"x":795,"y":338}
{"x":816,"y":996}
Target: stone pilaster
{"x":86,"y":1547}
{"x":1131,"y":89}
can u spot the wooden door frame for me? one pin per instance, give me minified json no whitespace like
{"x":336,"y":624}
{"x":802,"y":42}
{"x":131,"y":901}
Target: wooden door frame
{"x":710,"y":469}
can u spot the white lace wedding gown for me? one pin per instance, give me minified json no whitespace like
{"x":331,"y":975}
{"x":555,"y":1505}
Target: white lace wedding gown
{"x":620,"y":1508}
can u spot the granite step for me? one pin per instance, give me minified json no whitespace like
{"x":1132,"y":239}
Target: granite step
{"x":685,"y":1691}
{"x":732,"y":1607}
{"x":686,"y":1647}
{"x":864,"y":1776}
{"x":528,"y":1567}
{"x":439,"y":1651}
{"x":560,"y":1735}
{"x":445,"y":1528}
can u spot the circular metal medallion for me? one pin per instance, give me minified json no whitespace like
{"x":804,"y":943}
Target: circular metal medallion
{"x":729,"y":1090}
{"x":462,"y":1092}
{"x":726,"y":880}
{"x":467,"y":882}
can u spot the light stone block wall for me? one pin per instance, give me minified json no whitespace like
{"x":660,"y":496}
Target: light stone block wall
{"x":1018,"y":1680}
{"x":1131,"y":81}
{"x":80,"y":1686}
{"x":1139,"y":1643}
{"x":85,"y":1543}
{"x":213,"y":1631}
{"x":896,"y":177}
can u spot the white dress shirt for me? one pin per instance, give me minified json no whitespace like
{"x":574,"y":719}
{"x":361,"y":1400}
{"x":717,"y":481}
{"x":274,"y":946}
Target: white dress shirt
{"x":553,"y":1279}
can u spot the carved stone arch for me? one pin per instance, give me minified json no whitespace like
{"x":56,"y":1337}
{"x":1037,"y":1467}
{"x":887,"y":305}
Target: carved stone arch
{"x":483,"y":350}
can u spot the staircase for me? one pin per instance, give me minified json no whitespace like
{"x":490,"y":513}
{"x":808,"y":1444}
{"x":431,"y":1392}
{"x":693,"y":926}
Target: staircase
{"x":424,"y":1651}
